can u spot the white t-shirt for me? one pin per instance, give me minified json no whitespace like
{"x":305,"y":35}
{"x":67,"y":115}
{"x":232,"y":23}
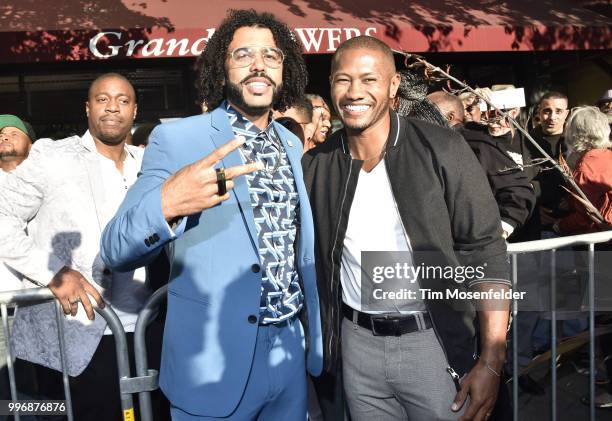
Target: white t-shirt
{"x":374,"y":225}
{"x":128,"y":291}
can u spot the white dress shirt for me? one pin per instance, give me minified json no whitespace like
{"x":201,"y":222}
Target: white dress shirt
{"x":128,"y":292}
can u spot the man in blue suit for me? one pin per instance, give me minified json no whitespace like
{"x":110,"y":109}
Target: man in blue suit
{"x":227,"y":189}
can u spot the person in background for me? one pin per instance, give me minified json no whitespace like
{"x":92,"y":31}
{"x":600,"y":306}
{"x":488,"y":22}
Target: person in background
{"x":548,"y":183}
{"x":587,"y":138}
{"x":411,"y":100}
{"x":140,"y":137}
{"x":551,"y":205}
{"x":589,"y":155}
{"x":16,"y":138}
{"x":509,"y":183}
{"x":504,"y":155}
{"x":450,"y":106}
{"x":321,"y":118}
{"x":64,"y":193}
{"x":471,"y":104}
{"x":298,"y":119}
{"x":605,"y":102}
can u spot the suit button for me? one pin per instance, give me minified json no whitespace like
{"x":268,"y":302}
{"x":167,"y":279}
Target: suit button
{"x":106,"y":271}
{"x":147,"y":242}
{"x":156,"y":237}
{"x":255,"y":268}
{"x":252,"y":319}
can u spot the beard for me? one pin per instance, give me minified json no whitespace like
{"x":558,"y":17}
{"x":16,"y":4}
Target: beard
{"x":109,"y":135}
{"x":8,"y":153}
{"x":111,"y":138}
{"x":233,"y":93}
{"x":359,"y":126}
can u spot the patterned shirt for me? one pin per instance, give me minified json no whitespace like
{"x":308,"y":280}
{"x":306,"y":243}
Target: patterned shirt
{"x":275,"y":205}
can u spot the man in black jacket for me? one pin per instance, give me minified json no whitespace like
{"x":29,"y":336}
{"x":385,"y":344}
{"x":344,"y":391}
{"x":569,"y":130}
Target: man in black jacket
{"x":548,"y":189}
{"x":386,"y":183}
{"x":552,"y":112}
{"x":509,"y":183}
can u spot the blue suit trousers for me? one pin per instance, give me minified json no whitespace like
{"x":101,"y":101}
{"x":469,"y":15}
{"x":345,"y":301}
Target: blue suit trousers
{"x":276,"y":388}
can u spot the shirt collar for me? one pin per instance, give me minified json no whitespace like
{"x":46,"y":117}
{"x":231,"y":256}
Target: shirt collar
{"x":89,"y":143}
{"x":237,"y":120}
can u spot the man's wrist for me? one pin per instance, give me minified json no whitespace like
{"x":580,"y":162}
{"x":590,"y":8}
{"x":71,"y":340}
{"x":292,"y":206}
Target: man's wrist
{"x":494,"y":358}
{"x":494,"y":370}
{"x":58,"y":273}
{"x":167,"y":210}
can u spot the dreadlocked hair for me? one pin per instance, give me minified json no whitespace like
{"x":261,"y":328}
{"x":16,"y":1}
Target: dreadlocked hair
{"x":210,"y":66}
{"x":412,"y":100}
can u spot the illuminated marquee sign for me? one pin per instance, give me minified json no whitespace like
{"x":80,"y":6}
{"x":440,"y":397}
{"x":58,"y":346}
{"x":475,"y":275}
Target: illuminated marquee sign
{"x":109,"y":44}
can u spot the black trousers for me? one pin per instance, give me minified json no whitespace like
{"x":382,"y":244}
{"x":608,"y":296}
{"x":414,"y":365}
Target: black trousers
{"x":95,"y":392}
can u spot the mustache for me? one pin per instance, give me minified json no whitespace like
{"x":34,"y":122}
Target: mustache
{"x":110,"y":117}
{"x":9,"y":153}
{"x":259,"y":74}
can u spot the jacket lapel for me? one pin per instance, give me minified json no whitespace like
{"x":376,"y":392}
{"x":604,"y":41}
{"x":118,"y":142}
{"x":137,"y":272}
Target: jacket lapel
{"x":92,"y":167}
{"x":293,"y":153}
{"x":222,"y":134}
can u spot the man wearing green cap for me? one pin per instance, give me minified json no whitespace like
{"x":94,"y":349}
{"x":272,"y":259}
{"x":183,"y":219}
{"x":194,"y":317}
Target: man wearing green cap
{"x":16,"y":139}
{"x":15,"y":142}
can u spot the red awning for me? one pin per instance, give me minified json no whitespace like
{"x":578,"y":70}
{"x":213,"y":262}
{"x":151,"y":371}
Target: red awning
{"x":34,"y":30}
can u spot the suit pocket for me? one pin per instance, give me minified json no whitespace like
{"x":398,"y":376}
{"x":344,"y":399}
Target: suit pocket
{"x":203,"y":301}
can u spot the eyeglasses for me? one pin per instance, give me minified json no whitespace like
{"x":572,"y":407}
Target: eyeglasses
{"x":245,"y":56}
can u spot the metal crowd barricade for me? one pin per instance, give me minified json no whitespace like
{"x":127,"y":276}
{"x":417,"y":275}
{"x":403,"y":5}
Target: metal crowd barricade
{"x":553,"y":245}
{"x":127,"y":385}
{"x":148,"y":377}
{"x":146,"y":380}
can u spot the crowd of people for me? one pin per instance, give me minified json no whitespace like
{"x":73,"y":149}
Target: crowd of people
{"x":263,"y":223}
{"x":535,"y":201}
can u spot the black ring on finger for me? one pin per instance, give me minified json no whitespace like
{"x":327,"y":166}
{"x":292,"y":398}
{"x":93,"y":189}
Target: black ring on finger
{"x":221,"y":185}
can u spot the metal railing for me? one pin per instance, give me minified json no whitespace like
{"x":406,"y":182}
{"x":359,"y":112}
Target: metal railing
{"x":146,"y":379}
{"x":145,"y":317}
{"x":552,"y":245}
{"x":127,"y":385}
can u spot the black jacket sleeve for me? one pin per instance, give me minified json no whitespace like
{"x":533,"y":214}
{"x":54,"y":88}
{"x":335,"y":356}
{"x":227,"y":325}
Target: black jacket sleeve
{"x":510,"y":185}
{"x":474,"y":216}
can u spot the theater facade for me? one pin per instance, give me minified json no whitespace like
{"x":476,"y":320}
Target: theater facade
{"x":51,"y":51}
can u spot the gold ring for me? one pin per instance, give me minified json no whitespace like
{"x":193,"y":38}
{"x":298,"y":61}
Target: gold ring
{"x":221,"y":185}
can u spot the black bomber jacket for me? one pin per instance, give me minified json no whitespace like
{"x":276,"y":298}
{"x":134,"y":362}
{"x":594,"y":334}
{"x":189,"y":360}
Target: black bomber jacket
{"x":446,"y":208}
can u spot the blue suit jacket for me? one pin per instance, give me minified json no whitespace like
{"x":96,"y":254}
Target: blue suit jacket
{"x":208,"y":341}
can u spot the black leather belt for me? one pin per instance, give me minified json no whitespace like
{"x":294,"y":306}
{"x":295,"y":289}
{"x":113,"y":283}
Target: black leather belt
{"x":389,"y":325}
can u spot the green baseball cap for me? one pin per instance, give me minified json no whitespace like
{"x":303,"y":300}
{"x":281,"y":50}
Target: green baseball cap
{"x":9,"y":120}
